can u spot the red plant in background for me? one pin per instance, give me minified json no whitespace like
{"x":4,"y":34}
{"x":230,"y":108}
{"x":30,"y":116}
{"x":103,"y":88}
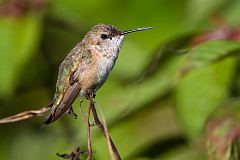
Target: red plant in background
{"x":224,"y":31}
{"x":20,"y":7}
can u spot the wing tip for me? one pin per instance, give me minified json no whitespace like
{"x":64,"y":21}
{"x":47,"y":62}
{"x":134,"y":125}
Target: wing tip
{"x":48,"y":120}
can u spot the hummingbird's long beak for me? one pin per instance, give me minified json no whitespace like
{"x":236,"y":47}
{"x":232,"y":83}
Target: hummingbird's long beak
{"x":135,"y":30}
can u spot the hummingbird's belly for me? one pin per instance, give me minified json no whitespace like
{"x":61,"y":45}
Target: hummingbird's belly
{"x":93,"y":76}
{"x":105,"y":65}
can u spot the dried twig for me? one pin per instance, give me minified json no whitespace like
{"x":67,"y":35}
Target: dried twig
{"x":74,"y":155}
{"x":26,"y":115}
{"x":89,"y":131}
{"x":112,"y":148}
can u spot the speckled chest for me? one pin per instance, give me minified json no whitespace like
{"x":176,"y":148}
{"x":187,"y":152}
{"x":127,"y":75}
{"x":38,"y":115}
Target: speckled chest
{"x":106,"y":62}
{"x":107,"y":55}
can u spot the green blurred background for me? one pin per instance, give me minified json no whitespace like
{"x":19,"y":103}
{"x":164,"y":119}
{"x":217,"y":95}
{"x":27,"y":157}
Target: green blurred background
{"x":170,"y":96}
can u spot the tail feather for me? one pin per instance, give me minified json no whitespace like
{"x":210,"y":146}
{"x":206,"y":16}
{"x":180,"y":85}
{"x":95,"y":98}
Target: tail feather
{"x":66,"y":102}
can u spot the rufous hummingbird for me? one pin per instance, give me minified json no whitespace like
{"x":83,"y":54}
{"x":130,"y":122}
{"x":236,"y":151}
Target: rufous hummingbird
{"x":87,"y":66}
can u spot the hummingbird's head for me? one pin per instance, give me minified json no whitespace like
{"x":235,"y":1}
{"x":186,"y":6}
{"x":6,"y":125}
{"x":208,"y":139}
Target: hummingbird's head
{"x":104,"y":36}
{"x":107,"y":38}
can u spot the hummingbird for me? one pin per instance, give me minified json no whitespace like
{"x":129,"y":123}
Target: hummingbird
{"x":86,"y":67}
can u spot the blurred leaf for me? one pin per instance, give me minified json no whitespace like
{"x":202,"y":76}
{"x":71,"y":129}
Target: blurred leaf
{"x":199,"y":10}
{"x":132,"y":131}
{"x":21,"y":36}
{"x":201,"y":91}
{"x":212,"y":51}
{"x":185,"y":152}
{"x":166,"y":52}
{"x":232,"y":12}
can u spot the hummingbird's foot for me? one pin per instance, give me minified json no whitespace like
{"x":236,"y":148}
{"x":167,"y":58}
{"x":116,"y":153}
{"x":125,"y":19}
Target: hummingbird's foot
{"x":71,"y":112}
{"x":87,"y":96}
{"x":93,"y":95}
{"x":90,"y":95}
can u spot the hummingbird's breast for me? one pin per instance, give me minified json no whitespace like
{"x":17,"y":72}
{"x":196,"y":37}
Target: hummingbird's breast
{"x":105,"y":65}
{"x":106,"y":62}
{"x":103,"y":60}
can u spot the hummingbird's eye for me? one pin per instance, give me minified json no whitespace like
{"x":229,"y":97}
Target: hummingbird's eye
{"x":104,"y":36}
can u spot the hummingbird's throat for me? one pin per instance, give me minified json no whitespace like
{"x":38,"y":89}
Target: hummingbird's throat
{"x":110,"y":47}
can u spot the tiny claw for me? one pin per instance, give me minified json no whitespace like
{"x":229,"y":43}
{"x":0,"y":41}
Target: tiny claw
{"x":87,"y":96}
{"x":93,"y":95}
{"x":90,"y":95}
{"x":72,"y":113}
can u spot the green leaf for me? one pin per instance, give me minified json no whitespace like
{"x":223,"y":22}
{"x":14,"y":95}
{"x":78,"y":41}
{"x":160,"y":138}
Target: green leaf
{"x":20,"y":37}
{"x":205,"y":87}
{"x":201,"y":91}
{"x":212,"y":51}
{"x":132,"y":131}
